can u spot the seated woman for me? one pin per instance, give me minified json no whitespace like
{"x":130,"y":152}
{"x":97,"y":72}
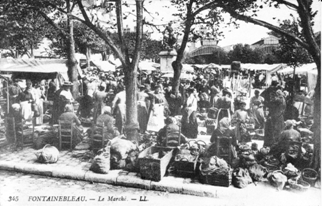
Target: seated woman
{"x":287,"y":136}
{"x":172,"y":128}
{"x":223,"y":130}
{"x":106,"y":120}
{"x":86,"y":105}
{"x":189,"y":123}
{"x":70,"y":116}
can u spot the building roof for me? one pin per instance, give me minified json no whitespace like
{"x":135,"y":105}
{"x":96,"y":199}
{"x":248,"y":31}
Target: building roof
{"x":204,"y":50}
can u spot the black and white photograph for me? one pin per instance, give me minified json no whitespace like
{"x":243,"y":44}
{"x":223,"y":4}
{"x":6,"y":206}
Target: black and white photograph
{"x":160,"y":102}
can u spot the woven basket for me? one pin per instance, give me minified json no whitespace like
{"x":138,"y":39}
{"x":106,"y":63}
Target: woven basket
{"x":309,"y":175}
{"x":299,"y":185}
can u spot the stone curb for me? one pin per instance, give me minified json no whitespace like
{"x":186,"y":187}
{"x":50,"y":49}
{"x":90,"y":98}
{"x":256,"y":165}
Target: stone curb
{"x":69,"y":173}
{"x":110,"y":178}
{"x":115,"y":177}
{"x":7,"y":165}
{"x":38,"y":169}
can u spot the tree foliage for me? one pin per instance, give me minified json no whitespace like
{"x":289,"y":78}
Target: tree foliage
{"x":289,"y":51}
{"x":21,"y":31}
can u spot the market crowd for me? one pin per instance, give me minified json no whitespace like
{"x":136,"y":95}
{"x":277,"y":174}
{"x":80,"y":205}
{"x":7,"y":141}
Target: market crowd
{"x":236,"y":111}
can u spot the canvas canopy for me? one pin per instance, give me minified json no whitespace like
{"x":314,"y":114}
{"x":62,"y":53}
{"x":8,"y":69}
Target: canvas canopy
{"x":104,"y":65}
{"x":35,"y":68}
{"x":302,"y":70}
{"x":266,"y":67}
{"x":148,"y":66}
{"x":309,"y":70}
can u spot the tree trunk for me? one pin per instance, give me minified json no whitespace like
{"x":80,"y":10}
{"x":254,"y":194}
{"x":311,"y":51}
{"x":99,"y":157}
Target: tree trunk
{"x":71,"y":60}
{"x":88,"y":56}
{"x":317,"y":119}
{"x":177,"y":67}
{"x":177,"y":64}
{"x":31,"y":51}
{"x":104,"y":56}
{"x":132,"y":124}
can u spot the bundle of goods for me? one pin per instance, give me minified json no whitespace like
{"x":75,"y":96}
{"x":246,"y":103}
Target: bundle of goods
{"x":120,"y":147}
{"x":262,"y":153}
{"x":49,"y":154}
{"x":257,"y":172}
{"x":246,"y":156}
{"x":186,"y":159}
{"x":277,"y":179}
{"x":101,"y":162}
{"x":271,"y":163}
{"x":241,"y":178}
{"x":147,"y":140}
{"x":215,"y":171}
{"x":153,"y":162}
{"x":290,"y":171}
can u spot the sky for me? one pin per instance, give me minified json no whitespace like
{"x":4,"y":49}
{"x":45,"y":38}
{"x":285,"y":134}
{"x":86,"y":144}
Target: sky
{"x":247,"y":33}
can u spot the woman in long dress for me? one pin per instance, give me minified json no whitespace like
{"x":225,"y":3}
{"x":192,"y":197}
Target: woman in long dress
{"x":99,"y":98}
{"x":26,"y":99}
{"x":158,"y":110}
{"x":39,"y":100}
{"x":142,"y":109}
{"x":189,"y":119}
{"x":239,"y":118}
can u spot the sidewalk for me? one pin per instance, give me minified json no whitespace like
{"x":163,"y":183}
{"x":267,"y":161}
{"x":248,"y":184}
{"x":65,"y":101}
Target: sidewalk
{"x":76,"y":164}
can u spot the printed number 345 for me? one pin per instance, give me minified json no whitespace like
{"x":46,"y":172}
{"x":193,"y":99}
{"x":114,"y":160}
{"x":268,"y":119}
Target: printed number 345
{"x":13,"y":198}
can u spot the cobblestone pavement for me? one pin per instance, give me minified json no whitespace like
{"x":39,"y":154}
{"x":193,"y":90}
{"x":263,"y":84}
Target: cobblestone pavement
{"x":22,"y":189}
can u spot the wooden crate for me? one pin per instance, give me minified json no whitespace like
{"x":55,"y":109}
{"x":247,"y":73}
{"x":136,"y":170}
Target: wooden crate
{"x":154,"y":168}
{"x":216,"y":179}
{"x":184,"y":167}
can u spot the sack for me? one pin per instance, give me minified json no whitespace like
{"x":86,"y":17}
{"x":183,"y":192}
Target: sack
{"x":257,"y":172}
{"x":247,"y":159}
{"x":211,"y":164}
{"x":119,"y":152}
{"x":49,"y":154}
{"x":101,"y":162}
{"x":277,"y":179}
{"x":241,"y":178}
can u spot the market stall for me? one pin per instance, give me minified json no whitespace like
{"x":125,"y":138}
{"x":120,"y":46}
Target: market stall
{"x":308,"y":70}
{"x":36,"y":69}
{"x":104,"y":65}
